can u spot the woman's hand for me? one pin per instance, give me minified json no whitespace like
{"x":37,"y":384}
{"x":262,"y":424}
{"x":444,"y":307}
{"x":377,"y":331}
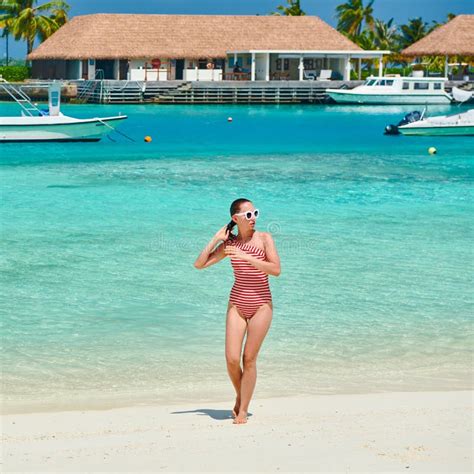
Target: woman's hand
{"x":222,"y":234}
{"x":234,"y":252}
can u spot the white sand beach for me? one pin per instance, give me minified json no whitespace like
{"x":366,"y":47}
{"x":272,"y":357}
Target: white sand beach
{"x":383,"y":432}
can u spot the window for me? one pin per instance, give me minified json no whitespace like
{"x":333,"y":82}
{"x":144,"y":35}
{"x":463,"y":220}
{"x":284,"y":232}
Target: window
{"x":390,"y":82}
{"x":421,"y":86}
{"x":406,"y":85}
{"x":286,"y":64}
{"x":308,"y":63}
{"x":437,"y":85}
{"x":54,"y":98}
{"x":370,"y":82}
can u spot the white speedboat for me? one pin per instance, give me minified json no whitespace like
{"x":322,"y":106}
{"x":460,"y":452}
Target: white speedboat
{"x":36,"y":125}
{"x":394,"y":90}
{"x":461,"y":123}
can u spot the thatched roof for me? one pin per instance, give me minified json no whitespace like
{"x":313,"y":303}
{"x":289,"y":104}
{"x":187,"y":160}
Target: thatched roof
{"x":453,"y":38}
{"x":113,"y":36}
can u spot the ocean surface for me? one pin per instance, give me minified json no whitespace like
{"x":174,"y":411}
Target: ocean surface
{"x":101,"y":305}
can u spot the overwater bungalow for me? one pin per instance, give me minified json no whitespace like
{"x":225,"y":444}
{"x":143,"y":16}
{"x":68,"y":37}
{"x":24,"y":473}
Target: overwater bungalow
{"x":455,"y":38}
{"x":198,"y":48}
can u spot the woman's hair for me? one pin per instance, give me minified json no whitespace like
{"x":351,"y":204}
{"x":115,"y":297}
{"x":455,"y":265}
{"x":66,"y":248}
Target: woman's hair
{"x":234,"y":208}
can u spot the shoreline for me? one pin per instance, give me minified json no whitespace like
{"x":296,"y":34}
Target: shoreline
{"x":106,"y":402}
{"x":371,"y":432}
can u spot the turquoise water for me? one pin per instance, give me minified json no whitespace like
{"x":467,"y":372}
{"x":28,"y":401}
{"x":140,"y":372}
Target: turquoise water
{"x":101,"y":305}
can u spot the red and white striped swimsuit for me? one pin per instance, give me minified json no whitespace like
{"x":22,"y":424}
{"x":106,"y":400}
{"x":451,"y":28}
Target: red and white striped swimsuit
{"x":251,"y":288}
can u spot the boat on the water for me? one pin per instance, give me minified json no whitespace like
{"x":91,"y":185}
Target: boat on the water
{"x":416,"y":123}
{"x":395,"y":89}
{"x":38,"y":125}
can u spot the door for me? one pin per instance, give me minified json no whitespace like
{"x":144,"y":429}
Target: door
{"x":179,"y":69}
{"x":123,"y":69}
{"x":107,"y":65}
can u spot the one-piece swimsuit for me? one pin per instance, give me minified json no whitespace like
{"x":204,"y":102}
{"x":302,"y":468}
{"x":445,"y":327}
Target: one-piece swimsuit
{"x":251,"y":288}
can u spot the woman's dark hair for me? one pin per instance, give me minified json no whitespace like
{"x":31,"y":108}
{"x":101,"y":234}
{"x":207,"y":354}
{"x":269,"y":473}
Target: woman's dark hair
{"x":234,"y":208}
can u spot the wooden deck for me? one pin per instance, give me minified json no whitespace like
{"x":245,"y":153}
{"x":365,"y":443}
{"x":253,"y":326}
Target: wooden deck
{"x":202,"y":92}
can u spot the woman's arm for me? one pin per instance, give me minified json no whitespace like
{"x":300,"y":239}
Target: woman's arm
{"x":208,"y":256}
{"x":271,"y":266}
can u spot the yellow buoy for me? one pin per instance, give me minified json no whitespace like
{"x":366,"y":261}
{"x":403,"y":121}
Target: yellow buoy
{"x":432,"y":150}
{"x":147,"y":139}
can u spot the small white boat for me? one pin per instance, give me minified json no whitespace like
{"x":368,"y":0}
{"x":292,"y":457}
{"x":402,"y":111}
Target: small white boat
{"x":416,"y":123}
{"x":395,"y":90}
{"x":36,"y":125}
{"x":442,"y":125}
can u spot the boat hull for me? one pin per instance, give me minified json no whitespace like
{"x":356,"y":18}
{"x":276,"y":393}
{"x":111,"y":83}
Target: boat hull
{"x":346,"y":97}
{"x":52,"y":129}
{"x":438,"y":131}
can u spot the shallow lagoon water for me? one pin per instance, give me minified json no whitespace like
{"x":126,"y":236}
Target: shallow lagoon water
{"x":101,"y":305}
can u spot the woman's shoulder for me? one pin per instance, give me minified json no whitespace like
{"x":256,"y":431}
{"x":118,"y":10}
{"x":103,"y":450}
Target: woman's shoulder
{"x":266,"y":239}
{"x":264,"y":236}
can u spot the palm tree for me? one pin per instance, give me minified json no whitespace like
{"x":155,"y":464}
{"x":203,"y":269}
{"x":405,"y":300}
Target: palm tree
{"x":27,"y":21}
{"x":293,"y":9}
{"x":385,"y":34}
{"x":413,"y":31}
{"x":5,"y":34}
{"x":351,"y":16}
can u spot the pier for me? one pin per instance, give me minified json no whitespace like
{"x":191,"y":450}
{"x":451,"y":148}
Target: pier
{"x":208,"y":92}
{"x":194,"y":92}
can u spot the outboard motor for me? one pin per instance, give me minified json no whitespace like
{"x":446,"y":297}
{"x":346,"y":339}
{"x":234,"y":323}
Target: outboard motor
{"x":409,"y":118}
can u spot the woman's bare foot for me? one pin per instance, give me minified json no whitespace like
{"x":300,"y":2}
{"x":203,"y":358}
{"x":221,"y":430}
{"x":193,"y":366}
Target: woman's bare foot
{"x":236,"y":409}
{"x":241,"y":418}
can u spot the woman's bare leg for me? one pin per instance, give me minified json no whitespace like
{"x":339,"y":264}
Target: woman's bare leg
{"x":258,"y":326}
{"x":235,"y":332}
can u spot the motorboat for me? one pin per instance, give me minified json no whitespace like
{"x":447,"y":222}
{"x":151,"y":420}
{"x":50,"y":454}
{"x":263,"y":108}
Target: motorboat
{"x":395,"y":89}
{"x":416,"y":123}
{"x":39,"y":125}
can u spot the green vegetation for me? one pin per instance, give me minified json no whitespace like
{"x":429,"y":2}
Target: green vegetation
{"x":15,"y":73}
{"x":352,"y":16}
{"x":357,"y":22}
{"x":293,"y":9}
{"x":26,"y":20}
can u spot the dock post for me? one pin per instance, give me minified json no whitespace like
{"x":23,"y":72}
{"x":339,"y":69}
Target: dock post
{"x":347,"y":68}
{"x":267,"y":67}
{"x":252,"y":73}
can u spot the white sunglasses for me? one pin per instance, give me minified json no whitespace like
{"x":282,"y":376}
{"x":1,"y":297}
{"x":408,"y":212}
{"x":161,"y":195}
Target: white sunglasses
{"x":249,"y":214}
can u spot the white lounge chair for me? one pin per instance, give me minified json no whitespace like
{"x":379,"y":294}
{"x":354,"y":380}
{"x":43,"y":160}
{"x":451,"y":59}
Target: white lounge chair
{"x":309,"y":75}
{"x":325,"y":75}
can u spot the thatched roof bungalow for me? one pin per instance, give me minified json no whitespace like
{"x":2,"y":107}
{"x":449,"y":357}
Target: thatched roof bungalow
{"x":455,"y":38}
{"x":193,"y":47}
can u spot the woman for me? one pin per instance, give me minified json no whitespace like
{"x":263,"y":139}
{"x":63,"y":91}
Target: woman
{"x":253,"y":257}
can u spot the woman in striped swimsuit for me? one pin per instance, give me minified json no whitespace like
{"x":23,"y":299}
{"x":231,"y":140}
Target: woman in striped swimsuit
{"x":253,"y":257}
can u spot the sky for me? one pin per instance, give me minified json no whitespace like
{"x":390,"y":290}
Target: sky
{"x":399,"y":10}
